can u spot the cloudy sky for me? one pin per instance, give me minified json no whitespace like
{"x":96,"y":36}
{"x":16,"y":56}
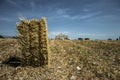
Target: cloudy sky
{"x":96,"y":19}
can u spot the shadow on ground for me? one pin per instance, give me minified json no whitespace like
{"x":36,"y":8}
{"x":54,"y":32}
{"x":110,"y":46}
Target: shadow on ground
{"x":13,"y":61}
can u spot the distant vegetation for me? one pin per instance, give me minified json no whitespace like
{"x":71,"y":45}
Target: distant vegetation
{"x":83,"y":38}
{"x":118,"y":38}
{"x":80,"y":38}
{"x":62,"y":36}
{"x":97,"y":39}
{"x":1,"y":36}
{"x":87,"y":38}
{"x":109,"y":39}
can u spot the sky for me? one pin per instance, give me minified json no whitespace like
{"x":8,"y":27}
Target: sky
{"x":96,"y":19}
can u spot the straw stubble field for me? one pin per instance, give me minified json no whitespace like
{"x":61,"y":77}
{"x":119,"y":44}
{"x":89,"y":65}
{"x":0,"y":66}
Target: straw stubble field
{"x":69,"y":60}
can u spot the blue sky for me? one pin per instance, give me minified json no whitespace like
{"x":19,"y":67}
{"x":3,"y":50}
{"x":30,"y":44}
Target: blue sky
{"x":96,"y":19}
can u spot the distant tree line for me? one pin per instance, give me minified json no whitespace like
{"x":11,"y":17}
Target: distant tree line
{"x":2,"y":36}
{"x":58,"y":37}
{"x":83,"y":38}
{"x":116,"y":38}
{"x":109,"y":39}
{"x":89,"y":38}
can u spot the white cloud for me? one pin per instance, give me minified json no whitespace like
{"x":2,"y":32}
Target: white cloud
{"x":90,"y":15}
{"x":6,"y":19}
{"x":58,"y":32}
{"x":32,"y":4}
{"x":20,"y":15}
{"x":86,"y":9}
{"x":12,"y":2}
{"x":62,"y":13}
{"x":91,"y":34}
{"x":71,"y":17}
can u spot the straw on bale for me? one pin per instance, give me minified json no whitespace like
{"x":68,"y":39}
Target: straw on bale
{"x":33,"y":40}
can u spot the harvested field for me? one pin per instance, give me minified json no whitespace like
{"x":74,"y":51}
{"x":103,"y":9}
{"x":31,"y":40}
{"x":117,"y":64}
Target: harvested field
{"x":69,"y":60}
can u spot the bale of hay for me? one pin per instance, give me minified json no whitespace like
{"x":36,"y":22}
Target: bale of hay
{"x":33,"y":40}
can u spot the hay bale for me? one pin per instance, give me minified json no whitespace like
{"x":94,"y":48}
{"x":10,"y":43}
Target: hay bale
{"x":33,"y":40}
